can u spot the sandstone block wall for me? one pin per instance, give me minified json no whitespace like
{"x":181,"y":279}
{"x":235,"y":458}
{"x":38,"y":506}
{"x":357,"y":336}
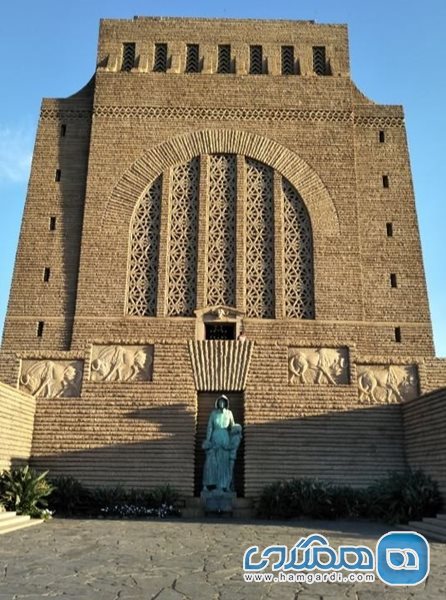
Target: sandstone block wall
{"x":17,"y":411}
{"x":424,"y":435}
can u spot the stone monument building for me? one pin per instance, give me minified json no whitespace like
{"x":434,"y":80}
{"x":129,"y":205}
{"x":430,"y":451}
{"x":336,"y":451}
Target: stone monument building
{"x":219,"y":210}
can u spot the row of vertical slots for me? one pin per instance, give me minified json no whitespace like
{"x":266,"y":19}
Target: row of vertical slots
{"x":225,"y":63}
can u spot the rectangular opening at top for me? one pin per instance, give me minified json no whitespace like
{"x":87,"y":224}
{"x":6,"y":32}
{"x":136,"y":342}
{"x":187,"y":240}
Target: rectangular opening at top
{"x":256,"y":60}
{"x":319,"y":60}
{"x":160,"y":58}
{"x":224,"y":59}
{"x":192,"y":58}
{"x":128,"y":56}
{"x":288,"y":66}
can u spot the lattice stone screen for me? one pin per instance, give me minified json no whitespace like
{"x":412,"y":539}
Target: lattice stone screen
{"x":144,"y":250}
{"x":299,"y":301}
{"x":220,"y":204}
{"x":221,"y":232}
{"x":259,"y":240}
{"x":183,"y":239}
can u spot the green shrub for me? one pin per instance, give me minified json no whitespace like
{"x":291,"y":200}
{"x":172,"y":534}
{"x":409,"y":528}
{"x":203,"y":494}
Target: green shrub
{"x":25,"y":491}
{"x":403,"y":497}
{"x":71,"y":498}
{"x":297,"y":498}
{"x":397,"y":498}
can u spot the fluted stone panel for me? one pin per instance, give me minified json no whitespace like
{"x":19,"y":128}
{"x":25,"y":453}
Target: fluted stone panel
{"x":220,"y":364}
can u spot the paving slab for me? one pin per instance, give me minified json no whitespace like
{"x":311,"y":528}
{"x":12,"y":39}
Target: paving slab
{"x":180,"y":560}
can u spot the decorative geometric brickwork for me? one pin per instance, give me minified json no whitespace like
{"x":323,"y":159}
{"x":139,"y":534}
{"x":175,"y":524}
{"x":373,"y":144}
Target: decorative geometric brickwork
{"x":221,"y":240}
{"x":183,"y":239}
{"x":48,"y":114}
{"x":259,"y":240}
{"x":144,"y":246}
{"x":221,"y":246}
{"x":228,"y":114}
{"x":379,"y":121}
{"x":299,"y":297}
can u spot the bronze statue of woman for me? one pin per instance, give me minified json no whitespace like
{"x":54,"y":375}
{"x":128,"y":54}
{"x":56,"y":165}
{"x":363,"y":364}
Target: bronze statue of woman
{"x":223,"y":438}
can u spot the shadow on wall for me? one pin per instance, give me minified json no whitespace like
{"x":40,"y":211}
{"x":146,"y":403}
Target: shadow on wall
{"x":151,"y":446}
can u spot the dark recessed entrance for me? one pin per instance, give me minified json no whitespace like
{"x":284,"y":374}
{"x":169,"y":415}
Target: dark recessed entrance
{"x":206,"y":403}
{"x":220,"y":331}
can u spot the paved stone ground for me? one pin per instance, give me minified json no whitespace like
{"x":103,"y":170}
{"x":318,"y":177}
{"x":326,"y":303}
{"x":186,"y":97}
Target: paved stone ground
{"x":179,"y":560}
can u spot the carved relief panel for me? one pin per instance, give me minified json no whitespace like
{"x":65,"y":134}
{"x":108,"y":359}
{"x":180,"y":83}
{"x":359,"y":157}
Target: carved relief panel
{"x":115,"y":363}
{"x":387,"y":384}
{"x":51,"y":378}
{"x":318,"y":366}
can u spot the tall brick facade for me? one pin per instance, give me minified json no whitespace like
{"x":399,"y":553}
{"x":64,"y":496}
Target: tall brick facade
{"x":214,"y":177}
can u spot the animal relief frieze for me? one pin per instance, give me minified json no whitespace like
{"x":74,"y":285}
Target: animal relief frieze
{"x":51,"y":378}
{"x":121,"y":363}
{"x":387,"y":384}
{"x":318,"y":366}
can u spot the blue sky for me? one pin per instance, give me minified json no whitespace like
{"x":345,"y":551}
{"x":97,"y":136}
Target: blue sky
{"x":397,"y":53}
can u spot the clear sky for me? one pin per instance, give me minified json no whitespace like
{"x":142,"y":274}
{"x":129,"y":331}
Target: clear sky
{"x":397,"y":53}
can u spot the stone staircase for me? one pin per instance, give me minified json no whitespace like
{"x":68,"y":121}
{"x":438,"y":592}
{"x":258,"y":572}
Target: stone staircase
{"x":10,"y":521}
{"x":193,"y":509}
{"x":432,"y":528}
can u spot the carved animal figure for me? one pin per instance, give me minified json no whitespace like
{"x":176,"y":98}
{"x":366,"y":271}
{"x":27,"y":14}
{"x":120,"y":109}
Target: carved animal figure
{"x":50,"y":379}
{"x":323,"y":365}
{"x":384,"y":384}
{"x":116,"y":363}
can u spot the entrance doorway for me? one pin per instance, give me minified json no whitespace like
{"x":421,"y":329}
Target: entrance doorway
{"x":206,"y":403}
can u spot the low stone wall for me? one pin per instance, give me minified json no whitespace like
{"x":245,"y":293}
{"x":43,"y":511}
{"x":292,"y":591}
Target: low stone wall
{"x":425,"y":435}
{"x":17,"y":410}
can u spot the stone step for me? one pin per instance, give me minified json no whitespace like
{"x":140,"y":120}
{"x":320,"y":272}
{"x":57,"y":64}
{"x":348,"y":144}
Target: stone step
{"x":238,"y":502}
{"x":441,"y":517}
{"x":5,"y":516}
{"x":441,"y":523}
{"x":14,"y":522}
{"x":193,"y":509}
{"x":428,"y":530}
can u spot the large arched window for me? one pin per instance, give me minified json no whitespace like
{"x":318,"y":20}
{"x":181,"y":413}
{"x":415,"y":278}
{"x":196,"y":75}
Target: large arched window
{"x":223,"y":215}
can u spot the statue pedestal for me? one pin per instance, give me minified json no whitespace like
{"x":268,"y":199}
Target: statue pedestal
{"x":217,"y":501}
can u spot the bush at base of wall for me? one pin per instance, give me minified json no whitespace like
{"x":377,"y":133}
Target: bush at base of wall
{"x":71,"y":498}
{"x":397,"y":498}
{"x":25,"y":491}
